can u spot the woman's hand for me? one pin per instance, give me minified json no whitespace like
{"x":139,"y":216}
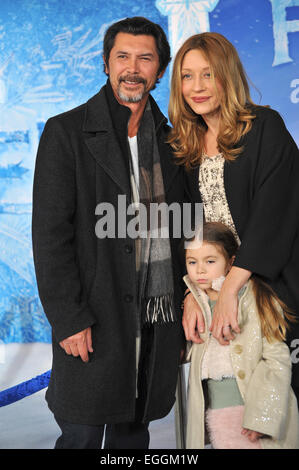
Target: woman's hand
{"x":225,"y":316}
{"x":193,"y":320}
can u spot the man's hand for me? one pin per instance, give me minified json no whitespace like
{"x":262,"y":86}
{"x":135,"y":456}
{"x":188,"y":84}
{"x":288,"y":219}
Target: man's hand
{"x":79,"y":344}
{"x":193,"y":320}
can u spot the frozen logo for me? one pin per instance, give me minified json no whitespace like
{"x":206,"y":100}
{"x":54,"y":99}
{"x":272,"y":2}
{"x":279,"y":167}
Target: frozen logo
{"x":281,"y":28}
{"x":188,"y":17}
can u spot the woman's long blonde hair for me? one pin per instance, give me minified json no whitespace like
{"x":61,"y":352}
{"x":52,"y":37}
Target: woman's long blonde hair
{"x":187,"y":134}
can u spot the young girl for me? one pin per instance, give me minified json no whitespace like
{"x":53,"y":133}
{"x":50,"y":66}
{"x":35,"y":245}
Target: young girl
{"x":241,"y":391}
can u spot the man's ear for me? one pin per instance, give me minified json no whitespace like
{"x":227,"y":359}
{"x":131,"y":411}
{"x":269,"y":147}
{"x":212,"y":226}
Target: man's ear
{"x":161,"y":74}
{"x":106,"y":66}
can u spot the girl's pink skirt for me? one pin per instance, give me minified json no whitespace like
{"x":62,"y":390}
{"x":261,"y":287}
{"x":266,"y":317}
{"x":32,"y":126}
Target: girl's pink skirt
{"x":225,"y":426}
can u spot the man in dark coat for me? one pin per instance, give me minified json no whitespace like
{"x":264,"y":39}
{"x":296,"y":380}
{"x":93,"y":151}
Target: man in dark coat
{"x":113,"y":302}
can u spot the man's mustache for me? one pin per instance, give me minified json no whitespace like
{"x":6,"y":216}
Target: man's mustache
{"x":132,"y":78}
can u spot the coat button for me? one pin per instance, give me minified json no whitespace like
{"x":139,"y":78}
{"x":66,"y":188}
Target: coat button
{"x":128,"y":249}
{"x":238,"y":349}
{"x":128,"y":298}
{"x":241,"y":374}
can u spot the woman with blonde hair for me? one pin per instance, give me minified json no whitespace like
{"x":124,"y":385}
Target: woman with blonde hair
{"x":243,"y":165}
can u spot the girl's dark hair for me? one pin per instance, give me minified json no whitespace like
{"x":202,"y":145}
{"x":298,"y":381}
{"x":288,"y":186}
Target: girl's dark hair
{"x":274,"y":325}
{"x":221,"y":235}
{"x":139,"y":26}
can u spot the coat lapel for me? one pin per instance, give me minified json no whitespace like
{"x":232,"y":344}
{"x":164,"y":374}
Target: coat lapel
{"x":106,"y":151}
{"x":103,"y":143}
{"x":168,"y":166}
{"x":192,"y":184}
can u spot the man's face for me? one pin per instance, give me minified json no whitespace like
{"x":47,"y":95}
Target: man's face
{"x":133,"y":67}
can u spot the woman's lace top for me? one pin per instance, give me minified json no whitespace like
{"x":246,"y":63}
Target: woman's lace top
{"x":211,"y":187}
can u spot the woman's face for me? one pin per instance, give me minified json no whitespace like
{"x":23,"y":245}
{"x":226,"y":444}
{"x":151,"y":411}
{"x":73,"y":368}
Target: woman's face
{"x":198,"y":87}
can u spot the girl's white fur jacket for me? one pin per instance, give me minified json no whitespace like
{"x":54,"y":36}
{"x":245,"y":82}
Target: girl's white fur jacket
{"x":263,"y":374}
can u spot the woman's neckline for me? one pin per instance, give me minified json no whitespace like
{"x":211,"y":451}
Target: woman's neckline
{"x":204,"y":155}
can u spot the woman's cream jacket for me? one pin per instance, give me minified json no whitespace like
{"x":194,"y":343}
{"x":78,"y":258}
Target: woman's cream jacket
{"x":263,"y":374}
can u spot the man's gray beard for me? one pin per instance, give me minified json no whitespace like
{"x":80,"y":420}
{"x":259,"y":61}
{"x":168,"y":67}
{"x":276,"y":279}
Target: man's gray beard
{"x":131,"y":99}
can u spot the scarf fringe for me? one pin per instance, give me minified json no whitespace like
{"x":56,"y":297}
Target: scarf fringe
{"x":160,"y":310}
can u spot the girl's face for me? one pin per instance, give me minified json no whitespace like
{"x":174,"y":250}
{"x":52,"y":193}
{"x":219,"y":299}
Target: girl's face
{"x":205,"y":263}
{"x":198,"y":88}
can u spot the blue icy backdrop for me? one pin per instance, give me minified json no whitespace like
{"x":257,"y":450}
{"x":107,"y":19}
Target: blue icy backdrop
{"x":50,"y":61}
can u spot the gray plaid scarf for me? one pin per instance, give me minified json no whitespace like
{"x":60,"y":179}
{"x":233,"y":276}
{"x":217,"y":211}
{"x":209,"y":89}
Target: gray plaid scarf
{"x":153,"y":254}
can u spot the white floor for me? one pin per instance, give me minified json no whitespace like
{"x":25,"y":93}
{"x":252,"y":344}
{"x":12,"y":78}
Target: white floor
{"x":28,"y":423}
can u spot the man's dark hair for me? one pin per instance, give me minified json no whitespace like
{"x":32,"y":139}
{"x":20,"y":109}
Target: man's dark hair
{"x":137,"y":26}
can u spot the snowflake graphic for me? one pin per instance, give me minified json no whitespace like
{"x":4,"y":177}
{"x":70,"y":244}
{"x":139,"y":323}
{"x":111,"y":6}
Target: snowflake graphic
{"x":75,"y":57}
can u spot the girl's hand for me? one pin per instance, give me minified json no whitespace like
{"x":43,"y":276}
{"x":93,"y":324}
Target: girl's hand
{"x":253,"y":436}
{"x":193,"y":320}
{"x":225,"y":315}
